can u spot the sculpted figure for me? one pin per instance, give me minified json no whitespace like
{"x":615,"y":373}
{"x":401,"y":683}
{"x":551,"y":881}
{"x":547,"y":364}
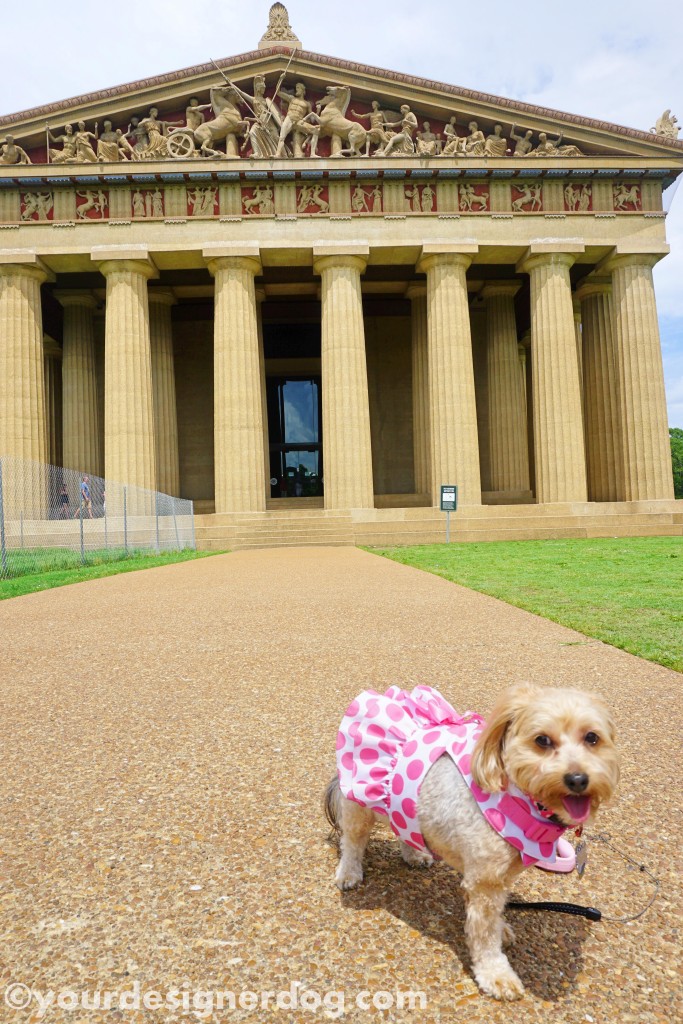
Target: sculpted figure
{"x":138,"y":133}
{"x":427,"y":141}
{"x":297,"y":122}
{"x":227,"y":124}
{"x":428,"y":195}
{"x":626,"y":195}
{"x":552,"y":147}
{"x":84,"y":151}
{"x":157,"y":203}
{"x":413,"y":197}
{"x":310,"y":196}
{"x":524,"y":144}
{"x":194,"y":115}
{"x":262,"y":201}
{"x":531,"y":196}
{"x":469,"y":198}
{"x":449,"y":131}
{"x":113,"y":146}
{"x":264,"y":127}
{"x":666,"y":126}
{"x":376,"y":135}
{"x":475,"y":142}
{"x":96,"y":201}
{"x":359,"y":200}
{"x":37,"y":205}
{"x":402,"y":142}
{"x":155,"y":131}
{"x":577,"y":199}
{"x":496,"y":144}
{"x":202,"y":201}
{"x":67,"y":154}
{"x":10,"y":153}
{"x":335,"y":124}
{"x":377,"y":199}
{"x":139,"y":204}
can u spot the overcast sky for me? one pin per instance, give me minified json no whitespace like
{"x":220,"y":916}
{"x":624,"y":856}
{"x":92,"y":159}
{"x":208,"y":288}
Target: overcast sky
{"x":619,"y":62}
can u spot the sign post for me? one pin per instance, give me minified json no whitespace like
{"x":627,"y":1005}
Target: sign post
{"x":449,"y":503}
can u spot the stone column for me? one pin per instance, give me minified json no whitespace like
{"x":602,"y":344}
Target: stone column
{"x":601,"y":404}
{"x":260,"y":299}
{"x":453,"y":412}
{"x":80,"y":415}
{"x":646,"y":450}
{"x":129,"y":449}
{"x":22,"y":371}
{"x":161,"y":301}
{"x":417,"y":293}
{"x":238,"y":408}
{"x":346,"y":409}
{"x":53,"y":400}
{"x":507,"y":407}
{"x":558,"y":424}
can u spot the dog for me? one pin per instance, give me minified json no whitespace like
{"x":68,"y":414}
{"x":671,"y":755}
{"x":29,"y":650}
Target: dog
{"x":489,"y":798}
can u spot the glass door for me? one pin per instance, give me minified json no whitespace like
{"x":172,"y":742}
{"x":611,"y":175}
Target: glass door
{"x":294,"y":435}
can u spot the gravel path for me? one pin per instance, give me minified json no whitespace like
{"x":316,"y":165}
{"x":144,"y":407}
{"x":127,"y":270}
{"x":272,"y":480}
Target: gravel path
{"x":167,"y":737}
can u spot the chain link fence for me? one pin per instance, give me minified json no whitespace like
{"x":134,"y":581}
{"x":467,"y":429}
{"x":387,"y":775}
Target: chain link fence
{"x":53,"y":518}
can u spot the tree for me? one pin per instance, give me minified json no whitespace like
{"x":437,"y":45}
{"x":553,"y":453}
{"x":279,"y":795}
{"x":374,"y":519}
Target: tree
{"x":676,"y":435}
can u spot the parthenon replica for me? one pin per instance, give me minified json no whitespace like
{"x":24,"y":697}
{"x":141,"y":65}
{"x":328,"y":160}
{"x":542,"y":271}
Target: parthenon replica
{"x":307,"y":293}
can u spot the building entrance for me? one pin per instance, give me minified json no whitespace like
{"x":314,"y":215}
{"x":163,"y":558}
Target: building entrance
{"x":294,"y":434}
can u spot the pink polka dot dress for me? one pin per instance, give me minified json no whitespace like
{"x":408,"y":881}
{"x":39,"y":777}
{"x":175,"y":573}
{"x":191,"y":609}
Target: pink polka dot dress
{"x":388,"y":742}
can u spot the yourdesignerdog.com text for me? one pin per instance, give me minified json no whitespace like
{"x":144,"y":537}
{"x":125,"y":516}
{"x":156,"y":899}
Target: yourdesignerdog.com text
{"x":202,"y":1003}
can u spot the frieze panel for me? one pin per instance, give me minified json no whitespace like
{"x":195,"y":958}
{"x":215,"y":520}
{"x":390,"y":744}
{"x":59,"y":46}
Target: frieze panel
{"x":474,"y":198}
{"x":366,"y":198}
{"x":578,"y":198}
{"x":147,"y":203}
{"x":92,"y":204}
{"x":312,"y":199}
{"x":203,"y":202}
{"x":627,"y":197}
{"x":420,"y":198}
{"x":37,"y":206}
{"x":527,"y":197}
{"x":258,"y":200}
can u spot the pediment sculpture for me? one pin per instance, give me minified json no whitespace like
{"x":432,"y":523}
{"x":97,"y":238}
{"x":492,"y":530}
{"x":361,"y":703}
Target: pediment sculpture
{"x":287,"y":120}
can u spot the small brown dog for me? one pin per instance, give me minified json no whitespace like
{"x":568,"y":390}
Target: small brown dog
{"x":550,"y":752}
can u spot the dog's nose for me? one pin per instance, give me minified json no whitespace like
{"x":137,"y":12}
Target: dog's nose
{"x":576,"y":781}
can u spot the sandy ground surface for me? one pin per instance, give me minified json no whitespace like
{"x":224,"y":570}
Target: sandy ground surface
{"x":166,"y":739}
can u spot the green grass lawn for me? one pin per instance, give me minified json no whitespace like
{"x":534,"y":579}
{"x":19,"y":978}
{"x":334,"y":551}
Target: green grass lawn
{"x":627,"y":592}
{"x":59,"y":567}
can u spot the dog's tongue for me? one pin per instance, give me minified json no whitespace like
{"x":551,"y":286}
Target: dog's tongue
{"x":578,"y":807}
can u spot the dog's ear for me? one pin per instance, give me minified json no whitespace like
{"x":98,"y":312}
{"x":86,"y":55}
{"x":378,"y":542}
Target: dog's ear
{"x":488,"y":770}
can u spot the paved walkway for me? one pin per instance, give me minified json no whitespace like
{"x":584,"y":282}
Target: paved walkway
{"x":167,"y":736}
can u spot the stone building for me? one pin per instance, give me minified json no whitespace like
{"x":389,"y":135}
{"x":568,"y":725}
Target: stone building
{"x":306,"y":293}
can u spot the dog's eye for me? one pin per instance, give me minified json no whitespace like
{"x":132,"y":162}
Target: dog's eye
{"x":544,"y":742}
{"x":591,"y":738}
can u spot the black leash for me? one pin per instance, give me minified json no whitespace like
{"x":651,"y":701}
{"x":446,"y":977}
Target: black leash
{"x":590,"y":912}
{"x":560,"y":908}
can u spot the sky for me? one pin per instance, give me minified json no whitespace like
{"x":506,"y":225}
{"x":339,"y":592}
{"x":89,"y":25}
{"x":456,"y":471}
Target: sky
{"x":618,"y":62}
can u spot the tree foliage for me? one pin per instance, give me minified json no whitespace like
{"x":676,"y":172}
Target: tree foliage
{"x":676,"y":435}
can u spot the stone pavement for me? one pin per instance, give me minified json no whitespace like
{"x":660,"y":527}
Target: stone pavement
{"x":166,"y":739}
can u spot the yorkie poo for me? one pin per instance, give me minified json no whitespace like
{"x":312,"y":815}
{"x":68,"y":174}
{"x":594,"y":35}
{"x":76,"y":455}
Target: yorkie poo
{"x":490,"y":798}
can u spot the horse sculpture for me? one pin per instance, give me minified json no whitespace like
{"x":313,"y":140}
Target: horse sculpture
{"x":331,"y":115}
{"x":227,"y":124}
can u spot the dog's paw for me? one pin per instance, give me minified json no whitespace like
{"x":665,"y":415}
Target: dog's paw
{"x":348,"y":877}
{"x":416,"y":858}
{"x":498,"y":981}
{"x":508,"y":934}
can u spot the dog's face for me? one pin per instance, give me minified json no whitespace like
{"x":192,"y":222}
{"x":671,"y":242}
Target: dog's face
{"x":555,"y":745}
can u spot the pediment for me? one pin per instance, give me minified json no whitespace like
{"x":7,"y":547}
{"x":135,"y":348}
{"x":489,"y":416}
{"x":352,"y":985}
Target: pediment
{"x":448,"y":110}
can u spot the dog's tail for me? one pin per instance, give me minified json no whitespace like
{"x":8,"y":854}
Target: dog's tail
{"x":331,"y":804}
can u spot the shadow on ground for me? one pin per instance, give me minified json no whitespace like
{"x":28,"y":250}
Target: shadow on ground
{"x":547,"y":953}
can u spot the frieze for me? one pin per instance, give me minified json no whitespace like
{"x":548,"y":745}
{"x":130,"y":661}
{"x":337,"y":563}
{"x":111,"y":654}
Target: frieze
{"x":317,"y":195}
